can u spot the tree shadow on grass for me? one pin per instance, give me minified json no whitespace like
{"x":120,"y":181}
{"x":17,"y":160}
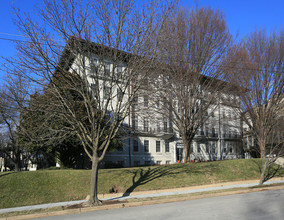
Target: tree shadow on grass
{"x":271,"y":171}
{"x":143,"y":176}
{"x":5,"y":174}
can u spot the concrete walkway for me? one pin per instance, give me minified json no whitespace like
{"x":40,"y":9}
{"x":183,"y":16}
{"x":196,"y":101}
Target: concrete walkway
{"x":149,"y":194}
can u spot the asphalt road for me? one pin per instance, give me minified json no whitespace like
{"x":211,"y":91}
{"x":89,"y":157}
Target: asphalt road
{"x":257,"y":205}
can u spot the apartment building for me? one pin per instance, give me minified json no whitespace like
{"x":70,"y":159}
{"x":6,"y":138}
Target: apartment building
{"x":218,"y":140}
{"x":155,"y":140}
{"x":152,"y":138}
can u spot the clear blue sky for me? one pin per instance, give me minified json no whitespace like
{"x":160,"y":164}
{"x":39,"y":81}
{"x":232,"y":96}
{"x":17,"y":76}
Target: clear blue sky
{"x":242,"y":16}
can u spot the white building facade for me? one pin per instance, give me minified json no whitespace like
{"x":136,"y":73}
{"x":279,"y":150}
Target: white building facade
{"x":153,"y":139}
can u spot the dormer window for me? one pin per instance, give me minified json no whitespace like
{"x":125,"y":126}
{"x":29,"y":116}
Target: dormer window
{"x":119,"y":69}
{"x":95,"y":61}
{"x":106,"y":92}
{"x":94,"y":64}
{"x":146,"y":100}
{"x":107,"y":68}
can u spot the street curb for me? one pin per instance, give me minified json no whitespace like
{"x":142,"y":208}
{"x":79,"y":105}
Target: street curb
{"x":221,"y":184}
{"x":140,"y":203}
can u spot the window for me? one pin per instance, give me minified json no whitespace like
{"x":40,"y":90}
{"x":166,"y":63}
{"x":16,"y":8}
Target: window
{"x":229,"y":115}
{"x":93,"y":89}
{"x":136,"y":163}
{"x":134,"y":122}
{"x":107,"y":68}
{"x":236,"y":134}
{"x":207,"y":145}
{"x":106,"y":92}
{"x":120,"y":163}
{"x":250,"y":141}
{"x":213,"y":132}
{"x":145,"y":82}
{"x":216,"y":134}
{"x":168,"y":162}
{"x":158,"y":146}
{"x":147,"y":162}
{"x":198,"y":148}
{"x":213,"y":148}
{"x":212,"y":114}
{"x":231,"y":150}
{"x":135,"y":100}
{"x":94,"y":64}
{"x":146,"y":125}
{"x":158,"y":127}
{"x":119,"y":71}
{"x":201,"y":130}
{"x":167,"y":146}
{"x":146,"y":145}
{"x":224,"y":131}
{"x":171,"y":127}
{"x":119,"y":94}
{"x":207,"y":131}
{"x":158,"y":162}
{"x":95,"y":60}
{"x":146,"y":100}
{"x":135,"y":145}
{"x":165,"y":126}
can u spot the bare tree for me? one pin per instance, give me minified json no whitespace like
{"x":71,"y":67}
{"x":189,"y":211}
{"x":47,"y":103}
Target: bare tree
{"x":12,"y":99}
{"x":192,"y":48}
{"x":92,"y":84}
{"x":259,"y":69}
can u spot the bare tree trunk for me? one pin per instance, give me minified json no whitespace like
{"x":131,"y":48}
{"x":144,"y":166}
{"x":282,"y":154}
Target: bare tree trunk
{"x":94,"y":183}
{"x":17,"y":166}
{"x":262,"y":175}
{"x":186,"y":149}
{"x":262,"y":150}
{"x":18,"y":161}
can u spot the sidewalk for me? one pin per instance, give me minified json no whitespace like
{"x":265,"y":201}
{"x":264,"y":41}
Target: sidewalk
{"x":149,"y":194}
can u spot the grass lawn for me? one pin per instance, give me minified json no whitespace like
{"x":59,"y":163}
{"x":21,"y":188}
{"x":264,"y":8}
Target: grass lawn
{"x":46,"y":186}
